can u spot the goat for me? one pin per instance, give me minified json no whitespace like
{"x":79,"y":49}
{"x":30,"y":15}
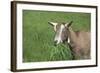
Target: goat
{"x":79,"y":41}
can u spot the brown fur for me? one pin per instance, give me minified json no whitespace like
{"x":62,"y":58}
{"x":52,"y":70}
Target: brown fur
{"x":80,"y":43}
{"x":79,"y":40}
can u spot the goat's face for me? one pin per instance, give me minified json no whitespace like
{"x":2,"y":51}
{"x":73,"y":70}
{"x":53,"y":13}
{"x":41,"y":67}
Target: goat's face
{"x":61,"y":32}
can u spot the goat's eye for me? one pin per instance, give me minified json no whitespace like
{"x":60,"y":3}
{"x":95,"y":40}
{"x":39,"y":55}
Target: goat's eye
{"x":67,"y":28}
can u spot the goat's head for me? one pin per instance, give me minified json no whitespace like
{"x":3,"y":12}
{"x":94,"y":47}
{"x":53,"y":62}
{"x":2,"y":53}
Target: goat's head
{"x":61,"y":31}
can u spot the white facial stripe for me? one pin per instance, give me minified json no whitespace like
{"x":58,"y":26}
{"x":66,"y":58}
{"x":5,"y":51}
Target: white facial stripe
{"x":58,"y":38}
{"x":68,"y":40}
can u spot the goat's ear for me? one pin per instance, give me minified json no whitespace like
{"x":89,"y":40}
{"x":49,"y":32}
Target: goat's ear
{"x":52,"y":23}
{"x":69,"y":24}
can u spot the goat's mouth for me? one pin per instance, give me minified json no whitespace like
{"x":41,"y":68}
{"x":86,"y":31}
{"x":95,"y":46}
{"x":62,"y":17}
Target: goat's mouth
{"x":57,"y":42}
{"x":60,"y":42}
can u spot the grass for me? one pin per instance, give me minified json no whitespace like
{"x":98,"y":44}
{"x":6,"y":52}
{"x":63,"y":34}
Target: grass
{"x":38,"y":35}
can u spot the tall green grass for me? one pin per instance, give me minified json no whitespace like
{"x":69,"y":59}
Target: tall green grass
{"x":61,"y":52}
{"x":38,"y":35}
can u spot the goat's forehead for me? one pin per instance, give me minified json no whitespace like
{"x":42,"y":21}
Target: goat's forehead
{"x":60,"y":26}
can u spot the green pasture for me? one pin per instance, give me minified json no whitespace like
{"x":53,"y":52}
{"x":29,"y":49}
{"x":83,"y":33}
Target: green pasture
{"x":38,"y":35}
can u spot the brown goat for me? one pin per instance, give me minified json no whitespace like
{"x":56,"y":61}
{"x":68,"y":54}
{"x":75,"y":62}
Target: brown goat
{"x":79,"y":41}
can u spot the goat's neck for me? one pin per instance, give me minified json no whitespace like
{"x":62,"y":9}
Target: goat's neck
{"x":72,"y":36}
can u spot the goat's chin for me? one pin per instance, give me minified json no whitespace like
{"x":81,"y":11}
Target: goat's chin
{"x":58,"y":43}
{"x":55,"y":44}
